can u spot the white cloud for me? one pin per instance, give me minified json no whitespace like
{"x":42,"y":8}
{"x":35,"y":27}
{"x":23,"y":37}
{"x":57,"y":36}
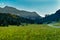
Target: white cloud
{"x":2,"y":5}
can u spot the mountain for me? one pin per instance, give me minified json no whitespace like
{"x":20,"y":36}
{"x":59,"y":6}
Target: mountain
{"x":11,"y":19}
{"x":22,"y":13}
{"x":31,"y":17}
{"x":51,"y":18}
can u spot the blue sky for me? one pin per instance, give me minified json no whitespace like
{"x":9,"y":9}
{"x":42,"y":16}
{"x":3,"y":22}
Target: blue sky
{"x":42,"y":7}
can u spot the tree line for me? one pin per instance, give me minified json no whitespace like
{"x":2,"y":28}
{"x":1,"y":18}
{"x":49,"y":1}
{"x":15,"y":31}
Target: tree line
{"x":11,"y":19}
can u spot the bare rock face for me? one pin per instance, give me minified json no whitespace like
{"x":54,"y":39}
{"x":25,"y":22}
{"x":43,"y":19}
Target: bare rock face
{"x":22,"y":13}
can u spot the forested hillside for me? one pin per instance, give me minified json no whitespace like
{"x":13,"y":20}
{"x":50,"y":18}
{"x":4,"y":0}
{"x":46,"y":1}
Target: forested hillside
{"x":12,"y":16}
{"x":51,"y":18}
{"x":11,"y":19}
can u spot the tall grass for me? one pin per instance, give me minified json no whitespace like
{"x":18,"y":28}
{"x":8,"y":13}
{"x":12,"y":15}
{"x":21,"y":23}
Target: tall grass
{"x":30,"y":32}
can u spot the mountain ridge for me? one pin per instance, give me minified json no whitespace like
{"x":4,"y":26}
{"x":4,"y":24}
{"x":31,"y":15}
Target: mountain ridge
{"x":22,"y":13}
{"x":32,"y":15}
{"x":52,"y":18}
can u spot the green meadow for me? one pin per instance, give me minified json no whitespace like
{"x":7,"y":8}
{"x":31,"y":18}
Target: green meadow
{"x":29,"y":32}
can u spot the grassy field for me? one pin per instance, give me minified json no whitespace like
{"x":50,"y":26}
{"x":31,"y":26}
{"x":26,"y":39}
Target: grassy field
{"x":57,"y":24}
{"x":30,"y":32}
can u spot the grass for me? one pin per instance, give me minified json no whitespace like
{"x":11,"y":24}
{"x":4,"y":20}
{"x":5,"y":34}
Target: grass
{"x":57,"y":24}
{"x":30,"y":32}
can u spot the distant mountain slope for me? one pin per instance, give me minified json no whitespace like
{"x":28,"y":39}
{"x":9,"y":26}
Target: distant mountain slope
{"x":22,"y":13}
{"x":52,"y":18}
{"x":9,"y":19}
{"x":31,"y":17}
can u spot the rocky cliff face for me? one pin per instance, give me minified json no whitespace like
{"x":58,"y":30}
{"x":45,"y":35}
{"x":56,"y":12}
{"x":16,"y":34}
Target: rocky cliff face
{"x":22,"y":13}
